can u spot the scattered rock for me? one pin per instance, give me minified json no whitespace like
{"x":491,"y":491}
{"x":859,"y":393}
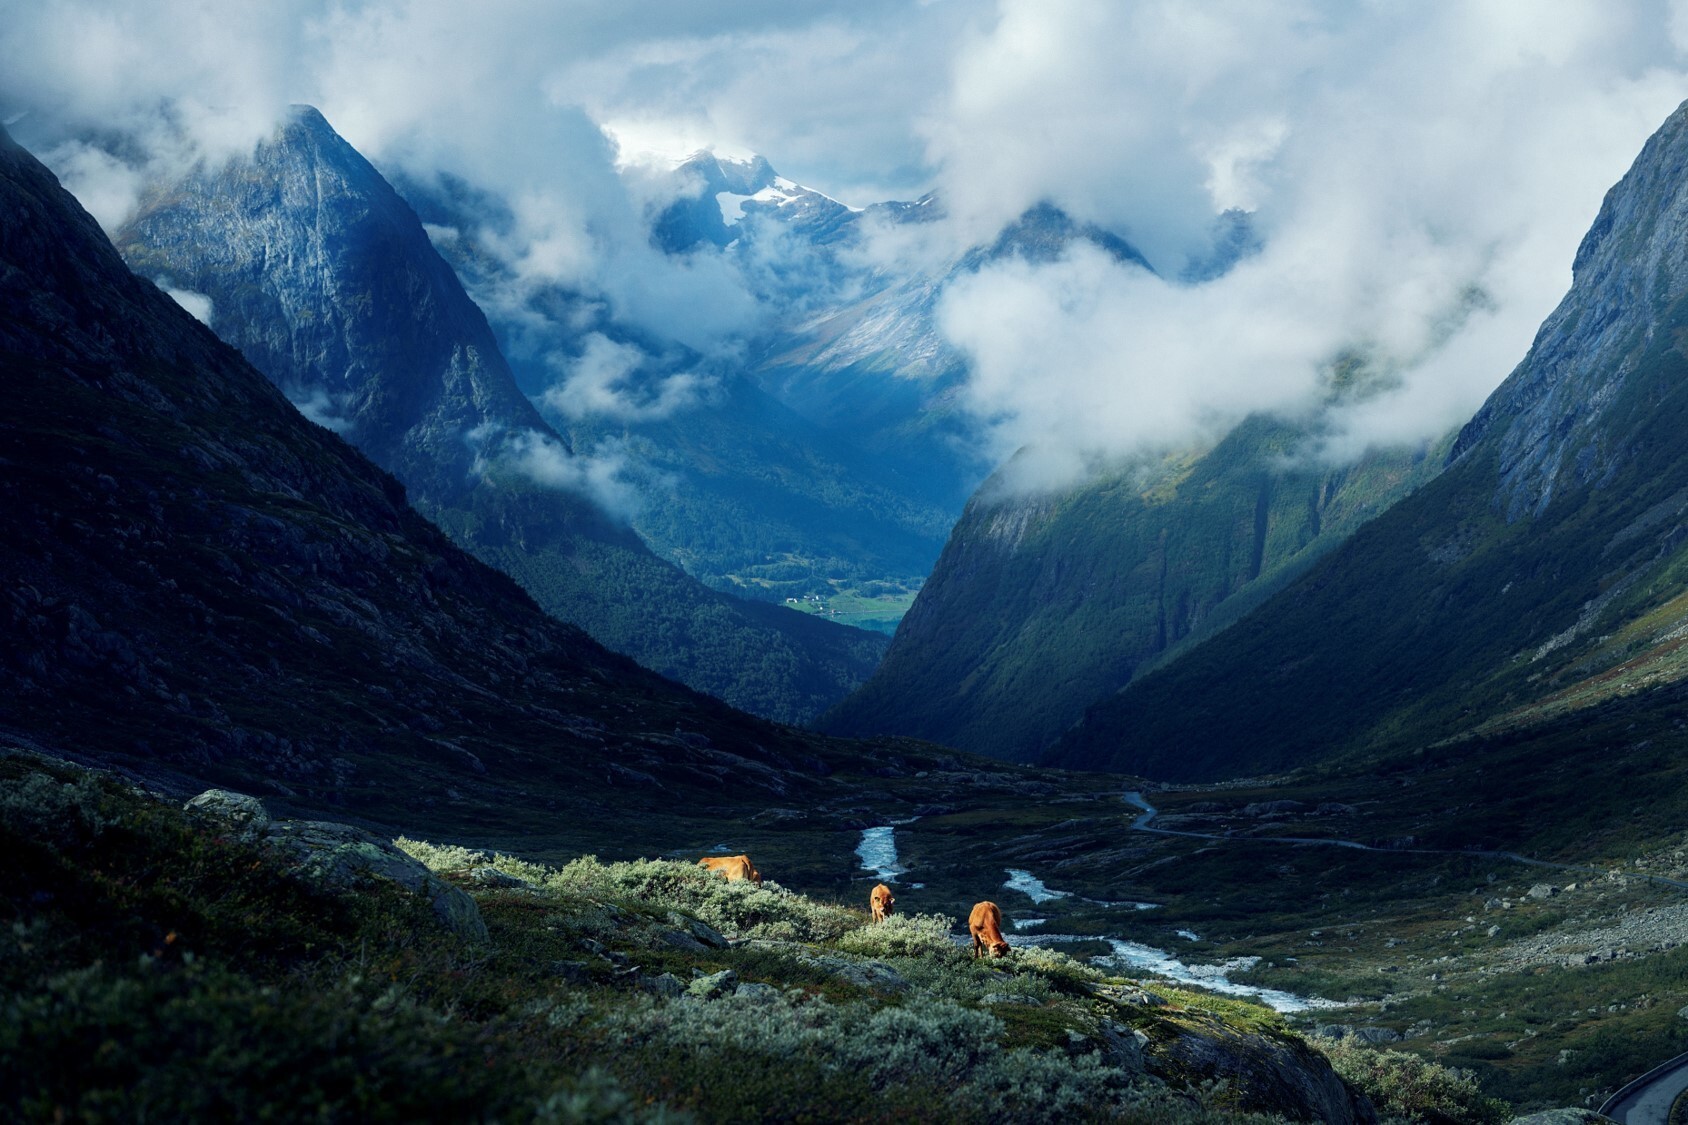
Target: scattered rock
{"x":1563,"y":1117}
{"x":714,"y":986}
{"x":245,"y":816}
{"x":1010,"y":998}
{"x":709,"y":935}
{"x":1493,"y":931}
{"x":682,"y":941}
{"x":492,"y":877}
{"x":1122,"y":1046}
{"x":760,"y":993}
{"x":664,"y":984}
{"x":575,"y":972}
{"x":1541,"y":892}
{"x":875,"y":976}
{"x":1376,"y":1035}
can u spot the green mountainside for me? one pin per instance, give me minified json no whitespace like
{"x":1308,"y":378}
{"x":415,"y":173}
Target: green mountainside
{"x":1542,"y":573}
{"x":325,"y":279}
{"x":1042,"y":605}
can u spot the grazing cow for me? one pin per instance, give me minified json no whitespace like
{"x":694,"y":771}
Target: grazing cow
{"x":986,"y":925}
{"x":733,"y":867}
{"x":881,"y":902}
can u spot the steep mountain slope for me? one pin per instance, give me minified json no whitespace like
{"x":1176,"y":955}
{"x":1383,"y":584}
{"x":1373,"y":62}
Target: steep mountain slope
{"x":1042,"y":605}
{"x":322,"y":276}
{"x":1544,"y":571}
{"x":204,"y":587}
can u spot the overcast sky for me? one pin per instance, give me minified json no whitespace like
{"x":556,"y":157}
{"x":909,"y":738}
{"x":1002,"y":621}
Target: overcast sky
{"x":1421,"y":172}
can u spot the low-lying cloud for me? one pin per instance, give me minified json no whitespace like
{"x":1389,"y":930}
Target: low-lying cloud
{"x":606,"y":381}
{"x":601,"y":476}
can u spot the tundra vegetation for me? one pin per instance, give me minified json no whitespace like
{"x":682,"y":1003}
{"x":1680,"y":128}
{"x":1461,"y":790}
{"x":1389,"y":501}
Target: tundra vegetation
{"x":171,"y":964}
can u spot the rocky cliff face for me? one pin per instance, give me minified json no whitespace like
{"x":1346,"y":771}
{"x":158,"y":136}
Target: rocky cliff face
{"x":1543,"y":573}
{"x":1042,"y":605}
{"x":205,"y":588}
{"x":323,"y":278}
{"x":326,"y":280}
{"x":1555,"y":424}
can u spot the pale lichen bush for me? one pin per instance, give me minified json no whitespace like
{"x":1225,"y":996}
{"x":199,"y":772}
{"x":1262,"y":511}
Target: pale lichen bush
{"x":940,"y":1046}
{"x":904,"y":935}
{"x":441,"y":857}
{"x":740,"y":909}
{"x":1053,"y":963}
{"x":973,"y":983}
{"x":1404,"y":1086}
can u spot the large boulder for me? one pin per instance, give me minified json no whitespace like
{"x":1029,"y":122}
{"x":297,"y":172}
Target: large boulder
{"x":1263,"y":1072}
{"x":341,"y":856}
{"x":244,"y":816}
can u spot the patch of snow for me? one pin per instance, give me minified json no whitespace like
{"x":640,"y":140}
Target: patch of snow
{"x":1028,"y":923}
{"x":732,"y":204}
{"x":1188,"y":935}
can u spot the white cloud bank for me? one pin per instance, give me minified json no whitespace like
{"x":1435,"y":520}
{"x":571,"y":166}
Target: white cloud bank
{"x":1398,"y":159}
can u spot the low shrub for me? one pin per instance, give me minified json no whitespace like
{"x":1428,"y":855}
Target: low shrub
{"x":740,"y":909}
{"x":1404,"y":1085}
{"x":1053,"y":963}
{"x":904,"y":935}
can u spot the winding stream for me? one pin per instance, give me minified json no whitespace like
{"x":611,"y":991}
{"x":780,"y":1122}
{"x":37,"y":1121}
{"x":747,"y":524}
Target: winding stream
{"x":878,"y":852}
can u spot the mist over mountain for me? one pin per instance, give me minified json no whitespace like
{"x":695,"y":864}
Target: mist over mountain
{"x":325,"y":278}
{"x":717,"y":475}
{"x":1541,"y":574}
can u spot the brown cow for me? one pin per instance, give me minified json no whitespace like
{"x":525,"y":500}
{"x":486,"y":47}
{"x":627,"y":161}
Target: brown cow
{"x":881,"y":902}
{"x":734,"y":867}
{"x":986,"y":925}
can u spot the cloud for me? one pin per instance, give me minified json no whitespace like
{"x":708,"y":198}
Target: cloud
{"x":604,"y":381}
{"x":1421,"y":181}
{"x":198,"y":305}
{"x":602,"y":476}
{"x":328,"y":411}
{"x":1397,"y":160}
